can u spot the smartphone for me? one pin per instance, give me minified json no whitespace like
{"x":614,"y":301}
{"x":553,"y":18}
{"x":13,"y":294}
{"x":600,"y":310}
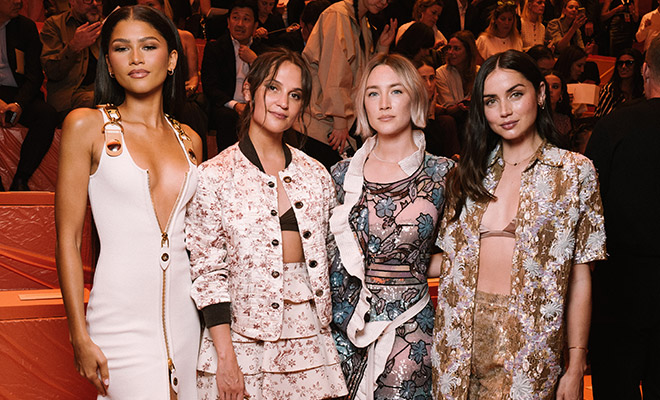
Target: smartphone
{"x":10,"y":117}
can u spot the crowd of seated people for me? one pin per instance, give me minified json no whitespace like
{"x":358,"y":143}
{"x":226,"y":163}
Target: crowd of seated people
{"x":59,"y":69}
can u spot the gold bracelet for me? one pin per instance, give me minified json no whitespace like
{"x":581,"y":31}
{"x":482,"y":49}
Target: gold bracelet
{"x":577,"y":347}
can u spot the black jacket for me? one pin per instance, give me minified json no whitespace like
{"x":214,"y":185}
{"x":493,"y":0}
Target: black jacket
{"x":23,"y":37}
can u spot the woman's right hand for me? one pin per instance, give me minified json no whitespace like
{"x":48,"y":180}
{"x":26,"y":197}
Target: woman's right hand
{"x":229,"y":379}
{"x":580,"y":20}
{"x":92,"y":364}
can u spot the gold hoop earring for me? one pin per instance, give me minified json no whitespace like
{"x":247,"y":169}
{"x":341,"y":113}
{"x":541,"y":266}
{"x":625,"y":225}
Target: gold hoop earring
{"x":170,"y":72}
{"x":111,"y":75}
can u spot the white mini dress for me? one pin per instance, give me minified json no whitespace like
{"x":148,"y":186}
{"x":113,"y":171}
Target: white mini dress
{"x":140,"y":307}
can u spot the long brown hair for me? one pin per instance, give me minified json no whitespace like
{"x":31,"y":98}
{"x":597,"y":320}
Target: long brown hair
{"x":467,"y":180}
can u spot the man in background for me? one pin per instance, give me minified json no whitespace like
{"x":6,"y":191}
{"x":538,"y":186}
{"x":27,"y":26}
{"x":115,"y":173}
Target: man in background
{"x":21,"y":100}
{"x":625,"y":333}
{"x":70,"y":53}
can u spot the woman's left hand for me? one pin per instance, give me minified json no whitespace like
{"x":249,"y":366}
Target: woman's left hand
{"x":386,"y":38}
{"x":571,"y":386}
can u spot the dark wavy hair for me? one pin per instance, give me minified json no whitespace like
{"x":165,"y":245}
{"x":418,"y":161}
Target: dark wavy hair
{"x":417,"y":37}
{"x":108,"y":90}
{"x":566,"y":60}
{"x":564,"y":105}
{"x":263,"y":70}
{"x":638,"y":80}
{"x":480,"y":140}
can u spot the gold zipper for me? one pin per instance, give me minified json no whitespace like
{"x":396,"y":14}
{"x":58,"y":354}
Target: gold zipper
{"x":165,"y":257}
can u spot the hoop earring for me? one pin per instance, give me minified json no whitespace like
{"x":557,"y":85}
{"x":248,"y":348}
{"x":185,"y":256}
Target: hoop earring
{"x":111,"y":75}
{"x":170,"y":72}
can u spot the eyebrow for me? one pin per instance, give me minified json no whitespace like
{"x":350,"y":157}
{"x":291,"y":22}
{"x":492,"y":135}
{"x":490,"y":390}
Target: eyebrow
{"x":280,"y":83}
{"x":511,"y":89}
{"x":141,"y":40}
{"x":389,"y":87}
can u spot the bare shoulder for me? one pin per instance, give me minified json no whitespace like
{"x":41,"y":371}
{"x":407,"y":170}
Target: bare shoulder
{"x":186,"y":37}
{"x":82,"y":124}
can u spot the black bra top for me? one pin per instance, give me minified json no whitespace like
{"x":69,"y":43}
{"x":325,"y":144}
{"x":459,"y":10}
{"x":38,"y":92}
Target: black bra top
{"x":508,"y":232}
{"x":288,"y":221}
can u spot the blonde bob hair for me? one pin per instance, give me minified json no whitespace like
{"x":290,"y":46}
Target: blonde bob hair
{"x":412,"y":83}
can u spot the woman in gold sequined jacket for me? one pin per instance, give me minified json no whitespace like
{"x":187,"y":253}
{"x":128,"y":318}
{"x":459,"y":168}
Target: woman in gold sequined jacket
{"x":524,"y":219}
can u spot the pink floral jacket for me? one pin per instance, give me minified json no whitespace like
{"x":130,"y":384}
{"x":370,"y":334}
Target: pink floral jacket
{"x":234,"y":238}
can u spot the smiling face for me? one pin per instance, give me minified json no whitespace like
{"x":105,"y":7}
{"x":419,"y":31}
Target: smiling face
{"x":241,"y":24}
{"x":625,"y":66}
{"x":456,"y":54}
{"x":571,"y":9}
{"x":504,"y":24}
{"x":387,"y":102}
{"x":510,"y":105}
{"x":138,"y":57}
{"x":277,"y":102}
{"x":430,"y":15}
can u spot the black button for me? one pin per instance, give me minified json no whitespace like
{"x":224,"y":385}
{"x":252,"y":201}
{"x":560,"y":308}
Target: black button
{"x":367,"y":317}
{"x":313,"y":264}
{"x":175,"y":381}
{"x":298,"y":204}
{"x":273,"y":212}
{"x":275,"y":306}
{"x":275,"y":242}
{"x":307,"y":234}
{"x":271,"y":184}
{"x":165,"y":257}
{"x":319,"y":293}
{"x":287,"y":179}
{"x":275,"y":274}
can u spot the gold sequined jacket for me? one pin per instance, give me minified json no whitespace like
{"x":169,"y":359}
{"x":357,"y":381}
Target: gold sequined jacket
{"x":560,"y":224}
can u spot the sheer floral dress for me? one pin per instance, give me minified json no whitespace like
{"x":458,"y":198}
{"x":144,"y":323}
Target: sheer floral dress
{"x":394,"y":225}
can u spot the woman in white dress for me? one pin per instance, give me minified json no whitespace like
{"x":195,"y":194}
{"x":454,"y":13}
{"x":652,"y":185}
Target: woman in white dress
{"x":141,"y":336}
{"x":531,"y":26}
{"x":502,"y":33}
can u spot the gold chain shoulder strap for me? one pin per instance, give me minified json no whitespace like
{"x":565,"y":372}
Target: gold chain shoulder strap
{"x":185,"y":139}
{"x":112,"y":130}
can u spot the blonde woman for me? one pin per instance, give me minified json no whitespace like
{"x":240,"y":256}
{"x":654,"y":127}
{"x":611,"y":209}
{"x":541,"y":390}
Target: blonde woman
{"x":391,"y":196}
{"x":532,"y":30}
{"x":501,"y":33}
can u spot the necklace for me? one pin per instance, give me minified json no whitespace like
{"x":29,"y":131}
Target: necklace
{"x":515,"y":164}
{"x":373,"y":152}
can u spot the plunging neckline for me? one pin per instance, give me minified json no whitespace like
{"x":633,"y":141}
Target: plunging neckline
{"x":145,"y":171}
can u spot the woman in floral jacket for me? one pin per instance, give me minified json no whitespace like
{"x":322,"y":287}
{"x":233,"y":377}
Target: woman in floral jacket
{"x":391,"y":195}
{"x":524,"y":219}
{"x":257,"y":231}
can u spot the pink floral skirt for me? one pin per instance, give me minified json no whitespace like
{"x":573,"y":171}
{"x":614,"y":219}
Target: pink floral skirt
{"x":303,"y":364}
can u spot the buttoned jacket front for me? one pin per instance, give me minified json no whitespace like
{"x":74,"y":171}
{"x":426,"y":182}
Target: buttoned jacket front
{"x":234,"y":236}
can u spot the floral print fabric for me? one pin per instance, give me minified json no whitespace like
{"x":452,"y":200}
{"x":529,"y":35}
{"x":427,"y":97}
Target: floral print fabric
{"x":395,"y":226}
{"x":559,"y":224}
